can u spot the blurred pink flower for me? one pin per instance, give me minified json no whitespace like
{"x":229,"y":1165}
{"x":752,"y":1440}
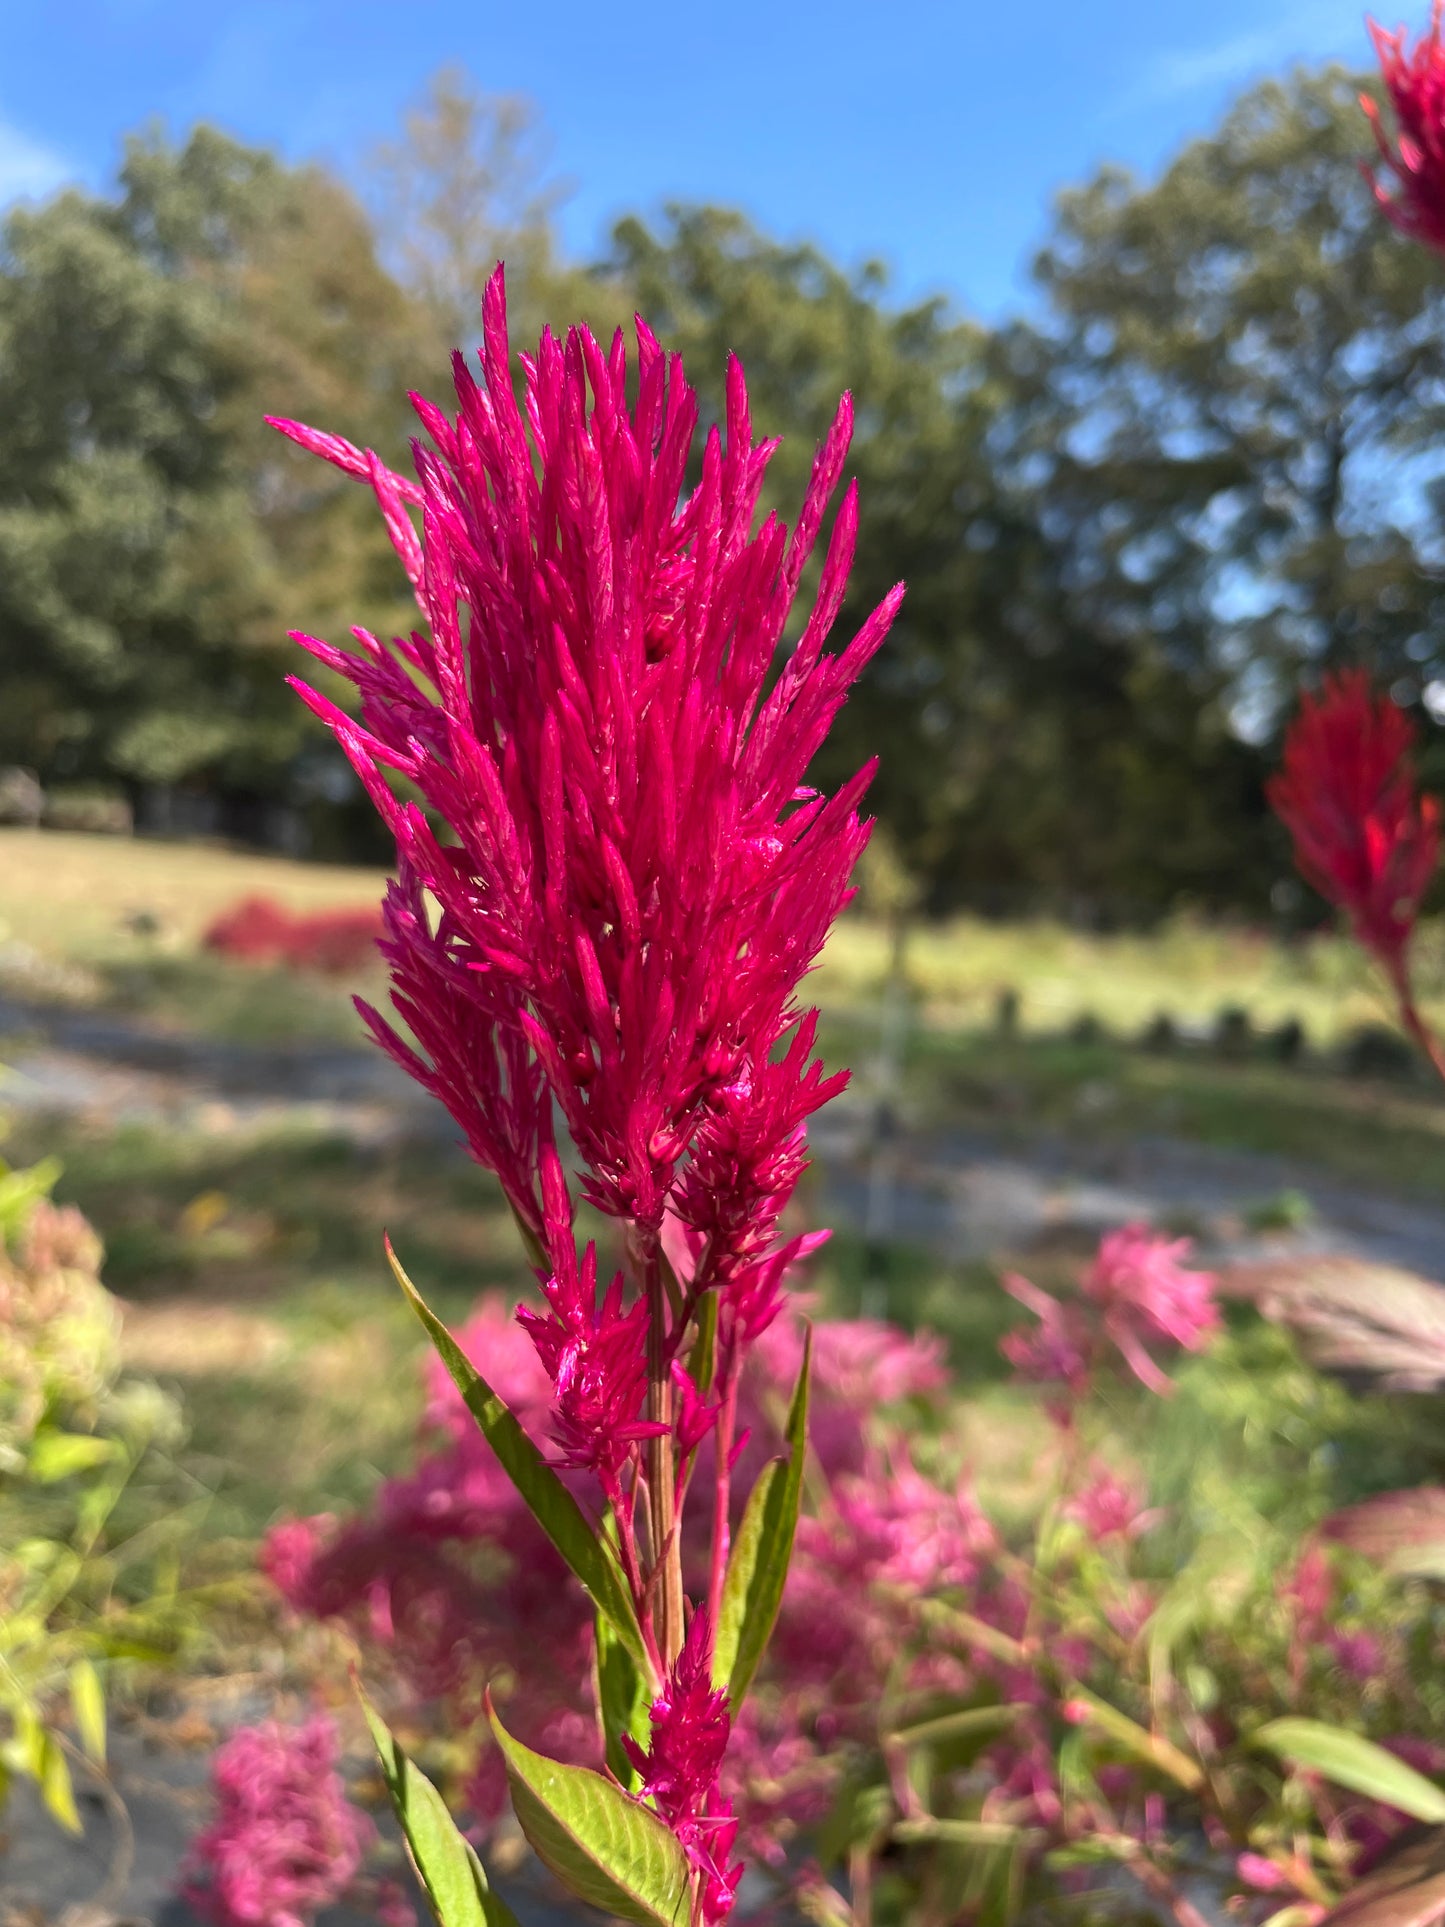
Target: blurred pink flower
{"x":1147,"y":1297}
{"x":1109,"y":1507}
{"x":1415,"y":83}
{"x":1261,"y":1874}
{"x":1056,"y":1350}
{"x":1364,"y":836}
{"x":285,"y":1842}
{"x":1359,"y":1654}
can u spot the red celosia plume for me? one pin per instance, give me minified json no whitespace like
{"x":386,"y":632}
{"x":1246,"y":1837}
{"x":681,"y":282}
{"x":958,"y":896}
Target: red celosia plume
{"x":679,"y":1770}
{"x":1414,"y":198}
{"x":636,"y":878}
{"x":1363,"y":835}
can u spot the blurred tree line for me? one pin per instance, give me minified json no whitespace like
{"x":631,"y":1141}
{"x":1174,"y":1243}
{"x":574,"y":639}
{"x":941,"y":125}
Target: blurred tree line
{"x":1208,"y":463}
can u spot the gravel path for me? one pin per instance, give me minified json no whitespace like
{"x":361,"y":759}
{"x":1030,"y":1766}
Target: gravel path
{"x":960,"y":1192}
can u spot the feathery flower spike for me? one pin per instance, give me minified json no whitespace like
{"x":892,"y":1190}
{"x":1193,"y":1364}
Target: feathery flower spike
{"x":1414,"y":198}
{"x":636,"y":878}
{"x":1363,"y":835}
{"x":679,"y":1770}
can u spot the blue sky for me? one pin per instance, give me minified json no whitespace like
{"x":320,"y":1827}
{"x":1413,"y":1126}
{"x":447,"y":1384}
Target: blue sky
{"x":932,"y":135}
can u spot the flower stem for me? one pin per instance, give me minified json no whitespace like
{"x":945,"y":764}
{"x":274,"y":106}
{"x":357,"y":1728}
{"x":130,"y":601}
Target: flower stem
{"x":722,"y":1489}
{"x":1415,"y":1026}
{"x":661,"y":1485}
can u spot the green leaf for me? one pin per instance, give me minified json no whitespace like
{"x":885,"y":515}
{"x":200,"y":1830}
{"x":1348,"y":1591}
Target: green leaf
{"x":551,"y":1504}
{"x":60,"y":1455}
{"x":605,"y":1847}
{"x":1139,"y":1741}
{"x":20,"y":1191}
{"x":963,"y":1833}
{"x":1356,"y":1763}
{"x":862,"y":1810}
{"x":622,"y":1700}
{"x":87,"y":1702}
{"x":964,"y":1724}
{"x":446,"y":1862}
{"x":55,"y":1788}
{"x":702,"y":1359}
{"x":758,"y":1565}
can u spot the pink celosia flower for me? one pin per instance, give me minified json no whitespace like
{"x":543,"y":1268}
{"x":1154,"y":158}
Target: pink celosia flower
{"x":1056,"y":1350}
{"x":1261,"y":1874}
{"x":1359,"y":1655}
{"x":639,"y":878}
{"x":1109,"y":1507}
{"x":1363,"y":836}
{"x":680,"y":1767}
{"x":1415,"y":83}
{"x":1147,"y":1296}
{"x":1309,"y":1592}
{"x":595,"y":1354}
{"x":285,"y":1842}
{"x":859,"y":1366}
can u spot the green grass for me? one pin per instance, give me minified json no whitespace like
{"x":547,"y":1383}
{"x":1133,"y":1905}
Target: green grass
{"x":120,"y":921}
{"x":1187,"y":970}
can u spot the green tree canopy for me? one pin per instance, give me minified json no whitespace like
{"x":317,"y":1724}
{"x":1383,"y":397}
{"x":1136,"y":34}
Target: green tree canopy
{"x":151,"y":549}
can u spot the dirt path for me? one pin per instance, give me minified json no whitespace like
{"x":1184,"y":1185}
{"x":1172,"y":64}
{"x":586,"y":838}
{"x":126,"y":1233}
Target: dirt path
{"x":960,"y":1192}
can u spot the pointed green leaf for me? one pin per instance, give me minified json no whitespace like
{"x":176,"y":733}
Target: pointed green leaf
{"x":622,"y":1700}
{"x":87,"y":1702}
{"x":1089,"y":1710}
{"x":1356,"y":1763}
{"x":758,"y":1564}
{"x":702,"y":1359}
{"x":966,"y":1723}
{"x":604,"y":1846}
{"x":60,"y":1455}
{"x":963,"y":1833}
{"x":446,"y":1863}
{"x":551,"y":1504}
{"x":55,"y":1788}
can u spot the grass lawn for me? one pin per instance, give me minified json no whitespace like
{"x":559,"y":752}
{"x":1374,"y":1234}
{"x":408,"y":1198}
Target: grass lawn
{"x":120,"y":920}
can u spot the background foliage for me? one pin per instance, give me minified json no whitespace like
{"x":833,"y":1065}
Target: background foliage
{"x":1202,"y":465}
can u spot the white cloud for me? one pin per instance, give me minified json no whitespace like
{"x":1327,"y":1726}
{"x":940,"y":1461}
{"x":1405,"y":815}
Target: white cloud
{"x":28,"y":169}
{"x":1310,"y":32}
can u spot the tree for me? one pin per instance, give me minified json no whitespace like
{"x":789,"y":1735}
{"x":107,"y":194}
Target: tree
{"x":465,"y":186}
{"x":156,"y":539}
{"x":1030,"y":751}
{"x":1244,"y":402}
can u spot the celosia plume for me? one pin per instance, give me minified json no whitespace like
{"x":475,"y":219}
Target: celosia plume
{"x":607,"y":895}
{"x":1148,"y":1297}
{"x":1363,"y":835}
{"x":636,"y":878}
{"x":594,"y":1353}
{"x":285,"y":1841}
{"x":680,"y":1767}
{"x":1136,"y":1294}
{"x":1414,"y":197}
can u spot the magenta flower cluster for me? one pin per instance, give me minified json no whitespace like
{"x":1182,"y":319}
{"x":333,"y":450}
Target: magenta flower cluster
{"x":285,"y":1842}
{"x":1135,"y":1297}
{"x":635,"y":875}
